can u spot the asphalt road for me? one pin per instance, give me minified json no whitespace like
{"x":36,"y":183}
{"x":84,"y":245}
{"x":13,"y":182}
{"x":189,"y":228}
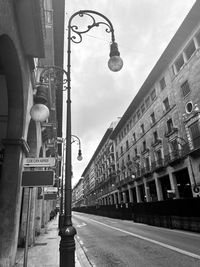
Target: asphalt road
{"x":112,"y":242}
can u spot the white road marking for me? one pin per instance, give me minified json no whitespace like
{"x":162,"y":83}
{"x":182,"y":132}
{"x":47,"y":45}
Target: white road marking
{"x":152,"y":241}
{"x":81,"y":225}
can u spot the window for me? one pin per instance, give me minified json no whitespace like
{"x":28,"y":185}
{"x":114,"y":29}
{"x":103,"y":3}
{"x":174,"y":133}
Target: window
{"x":174,"y":145}
{"x":138,"y":114}
{"x":153,"y":119}
{"x":198,"y":38}
{"x":147,"y":164}
{"x":179,"y":63}
{"x":166,"y":104}
{"x":134,"y":137}
{"x":190,"y":49}
{"x":128,"y":157}
{"x":195,"y":134}
{"x":143,"y":108}
{"x":127,"y":145}
{"x":185,"y":87}
{"x":155,"y":136}
{"x":130,"y":122}
{"x":122,"y":162}
{"x":121,"y":149}
{"x":128,"y":127}
{"x":117,"y":155}
{"x":170,"y":126}
{"x":153,"y":94}
{"x":142,"y":128}
{"x":159,"y":155}
{"x":189,"y":107}
{"x":134,"y":119}
{"x":144,"y":145}
{"x":136,"y":152}
{"x":162,"y":83}
{"x":147,"y":102}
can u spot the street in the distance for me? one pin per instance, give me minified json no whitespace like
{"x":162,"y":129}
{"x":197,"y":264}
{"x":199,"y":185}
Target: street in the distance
{"x":114,"y":242}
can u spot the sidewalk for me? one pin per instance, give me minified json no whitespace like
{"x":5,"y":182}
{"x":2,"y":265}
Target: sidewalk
{"x":45,"y":251}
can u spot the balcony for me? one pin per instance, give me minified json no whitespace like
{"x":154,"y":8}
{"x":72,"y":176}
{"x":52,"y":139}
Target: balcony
{"x":146,"y":171}
{"x":195,"y":152}
{"x":176,"y":156}
{"x":138,"y":174}
{"x":129,"y":163}
{"x":144,"y":151}
{"x":124,"y":182}
{"x":123,"y":167}
{"x":159,"y":165}
{"x":137,"y":157}
{"x":171,"y":131}
{"x":156,"y":143}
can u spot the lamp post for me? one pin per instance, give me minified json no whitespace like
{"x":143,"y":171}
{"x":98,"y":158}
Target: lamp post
{"x":115,"y":63}
{"x":74,"y":138}
{"x":67,"y":233}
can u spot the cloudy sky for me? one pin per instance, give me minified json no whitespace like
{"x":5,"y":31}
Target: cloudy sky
{"x":143,"y":29}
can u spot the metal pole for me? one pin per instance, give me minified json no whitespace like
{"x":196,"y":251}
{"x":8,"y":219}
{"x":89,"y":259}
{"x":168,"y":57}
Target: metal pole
{"x":61,"y":215}
{"x":27,"y":227}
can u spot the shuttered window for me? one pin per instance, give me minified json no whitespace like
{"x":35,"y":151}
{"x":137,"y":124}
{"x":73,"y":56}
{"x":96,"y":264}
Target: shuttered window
{"x":190,"y":49}
{"x":185,"y":87}
{"x":195,"y":134}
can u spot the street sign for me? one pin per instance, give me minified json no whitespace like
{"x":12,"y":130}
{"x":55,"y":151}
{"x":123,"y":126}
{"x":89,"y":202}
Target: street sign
{"x":37,"y":178}
{"x":39,"y":162}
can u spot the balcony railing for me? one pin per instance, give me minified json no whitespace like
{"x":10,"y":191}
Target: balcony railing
{"x":156,"y":142}
{"x":146,"y":170}
{"x":124,"y":181}
{"x":171,"y":131}
{"x":159,"y":164}
{"x":178,"y":154}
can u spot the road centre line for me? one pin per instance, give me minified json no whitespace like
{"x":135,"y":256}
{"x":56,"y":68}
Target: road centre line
{"x":152,"y":241}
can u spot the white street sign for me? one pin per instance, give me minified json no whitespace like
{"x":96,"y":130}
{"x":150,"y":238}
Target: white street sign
{"x":39,"y":162}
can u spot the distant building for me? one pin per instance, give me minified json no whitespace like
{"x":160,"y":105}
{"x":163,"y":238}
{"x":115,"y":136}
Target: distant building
{"x":77,"y":194}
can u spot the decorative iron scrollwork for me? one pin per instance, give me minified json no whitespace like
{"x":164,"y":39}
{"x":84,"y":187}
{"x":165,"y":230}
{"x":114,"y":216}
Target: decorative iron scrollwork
{"x":94,"y":23}
{"x":55,"y":75}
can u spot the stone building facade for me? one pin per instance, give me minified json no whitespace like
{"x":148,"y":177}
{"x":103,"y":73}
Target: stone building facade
{"x":23,"y":33}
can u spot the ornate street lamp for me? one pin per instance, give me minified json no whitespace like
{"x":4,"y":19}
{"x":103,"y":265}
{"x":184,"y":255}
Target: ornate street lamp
{"x":115,"y":63}
{"x":74,"y":138}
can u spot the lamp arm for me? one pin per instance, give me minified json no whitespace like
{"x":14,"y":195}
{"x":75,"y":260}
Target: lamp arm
{"x":75,"y":29}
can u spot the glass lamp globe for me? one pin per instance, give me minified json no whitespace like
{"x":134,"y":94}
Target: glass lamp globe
{"x":79,"y":155}
{"x":115,"y":63}
{"x":79,"y":158}
{"x":39,"y":112}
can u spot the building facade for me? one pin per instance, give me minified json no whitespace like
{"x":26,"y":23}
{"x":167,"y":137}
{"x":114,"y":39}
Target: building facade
{"x":78,"y":195}
{"x":156,"y":143}
{"x":26,"y":27}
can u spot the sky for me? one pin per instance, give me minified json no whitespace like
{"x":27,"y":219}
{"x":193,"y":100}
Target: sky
{"x":143,"y":29}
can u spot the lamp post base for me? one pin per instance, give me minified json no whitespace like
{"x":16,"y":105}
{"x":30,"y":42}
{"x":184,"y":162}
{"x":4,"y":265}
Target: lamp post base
{"x":67,"y":246}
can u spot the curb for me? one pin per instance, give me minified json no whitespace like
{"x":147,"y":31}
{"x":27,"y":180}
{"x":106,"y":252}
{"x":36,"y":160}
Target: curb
{"x":81,"y":255}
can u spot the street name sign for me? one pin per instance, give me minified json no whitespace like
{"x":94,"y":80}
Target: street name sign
{"x":39,"y":162}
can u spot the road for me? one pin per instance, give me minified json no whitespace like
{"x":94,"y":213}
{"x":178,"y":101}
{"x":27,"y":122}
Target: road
{"x":111,"y":242}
